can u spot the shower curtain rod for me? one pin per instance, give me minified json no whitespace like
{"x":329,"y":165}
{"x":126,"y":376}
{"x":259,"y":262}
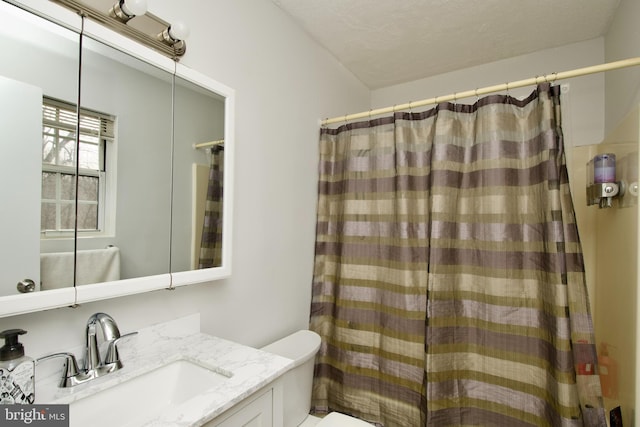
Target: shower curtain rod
{"x":208,"y":144}
{"x":631,"y":62}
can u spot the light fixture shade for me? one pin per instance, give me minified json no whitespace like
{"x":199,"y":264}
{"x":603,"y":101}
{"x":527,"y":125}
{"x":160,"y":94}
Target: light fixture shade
{"x":179,"y":31}
{"x":134,"y":7}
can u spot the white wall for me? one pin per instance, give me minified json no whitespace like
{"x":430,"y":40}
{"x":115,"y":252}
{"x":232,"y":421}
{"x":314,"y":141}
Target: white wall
{"x":622,"y":42}
{"x":285,"y":83}
{"x":584,"y":104}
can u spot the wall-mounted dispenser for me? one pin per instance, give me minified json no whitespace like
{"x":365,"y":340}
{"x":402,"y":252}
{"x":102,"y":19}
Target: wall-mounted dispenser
{"x":602,"y":186}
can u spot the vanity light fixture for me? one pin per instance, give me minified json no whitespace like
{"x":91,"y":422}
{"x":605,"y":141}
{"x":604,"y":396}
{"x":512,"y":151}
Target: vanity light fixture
{"x":174,"y":36}
{"x":124,"y":10}
{"x":130,"y":18}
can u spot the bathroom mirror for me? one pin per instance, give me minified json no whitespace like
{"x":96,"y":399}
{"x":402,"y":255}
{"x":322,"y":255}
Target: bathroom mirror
{"x":203,"y":152}
{"x":198,"y":140}
{"x":124,"y":218}
{"x":40,"y":59}
{"x":136,"y":152}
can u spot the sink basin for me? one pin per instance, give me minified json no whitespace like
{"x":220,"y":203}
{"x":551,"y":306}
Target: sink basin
{"x":145,"y":397}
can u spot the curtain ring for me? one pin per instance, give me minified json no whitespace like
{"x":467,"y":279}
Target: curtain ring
{"x":477,"y":97}
{"x":410,"y":110}
{"x":455,"y":98}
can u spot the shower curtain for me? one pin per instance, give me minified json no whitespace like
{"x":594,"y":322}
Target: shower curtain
{"x":449,"y":285}
{"x":211,"y":243}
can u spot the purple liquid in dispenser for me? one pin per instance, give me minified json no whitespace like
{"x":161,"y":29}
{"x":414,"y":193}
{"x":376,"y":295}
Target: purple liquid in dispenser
{"x":604,"y":168}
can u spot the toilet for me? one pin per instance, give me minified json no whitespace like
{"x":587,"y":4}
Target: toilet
{"x":301,"y":347}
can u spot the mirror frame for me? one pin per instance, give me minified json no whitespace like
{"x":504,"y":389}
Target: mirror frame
{"x":12,"y":305}
{"x":189,"y":277}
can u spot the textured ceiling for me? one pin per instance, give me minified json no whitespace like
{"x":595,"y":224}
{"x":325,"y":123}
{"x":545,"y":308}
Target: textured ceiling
{"x":386,"y":42}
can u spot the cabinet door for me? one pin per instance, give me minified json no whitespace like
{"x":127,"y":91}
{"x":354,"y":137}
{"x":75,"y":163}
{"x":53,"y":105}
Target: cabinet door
{"x":21,"y":177}
{"x":258,"y":412}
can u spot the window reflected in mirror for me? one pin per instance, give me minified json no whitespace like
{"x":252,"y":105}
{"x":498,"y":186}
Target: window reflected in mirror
{"x":58,"y":169}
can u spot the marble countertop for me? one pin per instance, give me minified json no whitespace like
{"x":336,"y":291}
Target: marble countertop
{"x":154,"y":347}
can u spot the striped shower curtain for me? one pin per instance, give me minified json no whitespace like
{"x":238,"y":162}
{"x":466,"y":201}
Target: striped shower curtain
{"x":211,"y":241}
{"x":449,"y":285}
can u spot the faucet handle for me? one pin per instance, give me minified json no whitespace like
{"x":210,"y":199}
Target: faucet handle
{"x":70,"y":373}
{"x":112,"y":351}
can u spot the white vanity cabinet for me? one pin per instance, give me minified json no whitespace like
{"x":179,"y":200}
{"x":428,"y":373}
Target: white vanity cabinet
{"x":261,"y":409}
{"x":205,"y":380}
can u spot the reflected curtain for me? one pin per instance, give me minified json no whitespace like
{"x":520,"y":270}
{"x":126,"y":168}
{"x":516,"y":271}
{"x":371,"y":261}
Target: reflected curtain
{"x":449,"y":284}
{"x":211,"y":243}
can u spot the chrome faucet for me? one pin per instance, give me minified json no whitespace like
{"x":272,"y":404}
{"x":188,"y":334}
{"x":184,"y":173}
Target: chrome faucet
{"x":94,"y":366}
{"x":110,"y":332}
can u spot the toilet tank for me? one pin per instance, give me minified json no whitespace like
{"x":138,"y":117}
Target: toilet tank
{"x":301,"y":347}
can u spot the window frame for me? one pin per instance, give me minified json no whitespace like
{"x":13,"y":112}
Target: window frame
{"x":106,"y":174}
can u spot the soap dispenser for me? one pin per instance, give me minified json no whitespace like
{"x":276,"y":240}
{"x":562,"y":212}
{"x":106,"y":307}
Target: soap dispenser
{"x":17,"y":371}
